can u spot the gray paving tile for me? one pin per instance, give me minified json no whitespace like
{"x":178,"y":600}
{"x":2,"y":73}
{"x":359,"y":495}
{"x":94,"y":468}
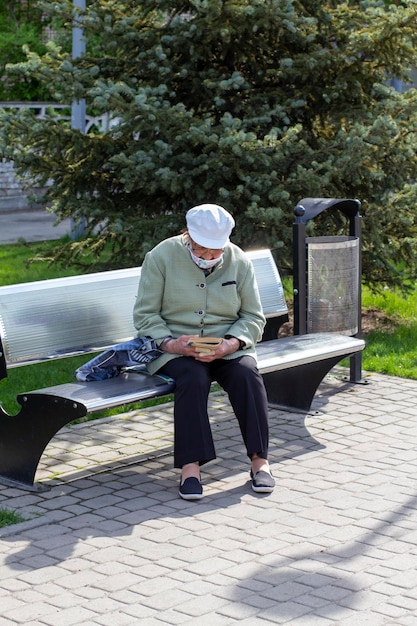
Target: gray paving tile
{"x":112,"y":543}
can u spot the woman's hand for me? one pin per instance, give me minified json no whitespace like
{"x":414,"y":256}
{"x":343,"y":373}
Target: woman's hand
{"x":228,"y":346}
{"x":182,"y":346}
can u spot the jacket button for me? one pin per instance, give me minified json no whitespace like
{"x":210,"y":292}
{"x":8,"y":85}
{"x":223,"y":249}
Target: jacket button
{"x":202,"y":285}
{"x":200,"y":312}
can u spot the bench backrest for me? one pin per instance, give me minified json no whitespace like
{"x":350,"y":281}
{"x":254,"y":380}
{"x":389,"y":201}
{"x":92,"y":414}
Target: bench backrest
{"x":81,"y":314}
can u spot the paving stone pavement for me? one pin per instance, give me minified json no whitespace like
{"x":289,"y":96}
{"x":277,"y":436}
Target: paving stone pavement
{"x":111,"y":543}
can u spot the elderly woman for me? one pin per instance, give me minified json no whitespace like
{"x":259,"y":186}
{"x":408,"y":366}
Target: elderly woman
{"x":196,"y":285}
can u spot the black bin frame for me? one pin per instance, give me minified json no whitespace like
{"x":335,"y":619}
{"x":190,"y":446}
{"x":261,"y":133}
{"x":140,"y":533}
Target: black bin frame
{"x":306,"y":210}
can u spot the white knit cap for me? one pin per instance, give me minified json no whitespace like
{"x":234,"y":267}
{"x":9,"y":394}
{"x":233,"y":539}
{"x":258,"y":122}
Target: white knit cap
{"x":209,"y":225}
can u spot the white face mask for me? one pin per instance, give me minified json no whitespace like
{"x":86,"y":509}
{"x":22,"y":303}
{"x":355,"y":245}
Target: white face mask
{"x":203,"y":264}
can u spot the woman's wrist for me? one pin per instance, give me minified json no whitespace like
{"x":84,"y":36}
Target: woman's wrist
{"x":164,"y":342}
{"x":238,"y":342}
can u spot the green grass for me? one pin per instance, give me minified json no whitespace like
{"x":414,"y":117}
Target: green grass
{"x":393,"y":353}
{"x":16,"y":265}
{"x":8,"y":517}
{"x":401,"y":308}
{"x":391,"y":348}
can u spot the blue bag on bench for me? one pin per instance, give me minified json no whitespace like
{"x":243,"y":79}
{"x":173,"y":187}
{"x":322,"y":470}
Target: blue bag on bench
{"x":108,"y":364}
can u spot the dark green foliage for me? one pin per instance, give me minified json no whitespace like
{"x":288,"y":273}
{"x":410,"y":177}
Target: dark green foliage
{"x":22,"y":25}
{"x":253,"y":104}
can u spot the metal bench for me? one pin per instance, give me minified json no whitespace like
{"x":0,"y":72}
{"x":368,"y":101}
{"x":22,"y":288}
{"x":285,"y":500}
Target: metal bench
{"x":58,"y":318}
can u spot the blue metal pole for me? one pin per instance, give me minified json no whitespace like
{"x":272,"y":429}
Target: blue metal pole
{"x":78,"y":49}
{"x":78,"y":108}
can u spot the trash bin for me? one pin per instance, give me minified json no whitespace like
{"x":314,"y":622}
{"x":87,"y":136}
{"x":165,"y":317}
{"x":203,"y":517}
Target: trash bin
{"x":327,"y":274}
{"x":332,"y":279}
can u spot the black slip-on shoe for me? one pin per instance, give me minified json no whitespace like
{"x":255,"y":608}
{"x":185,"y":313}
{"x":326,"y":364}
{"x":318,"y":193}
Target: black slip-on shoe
{"x":262,"y":482}
{"x":191,"y":489}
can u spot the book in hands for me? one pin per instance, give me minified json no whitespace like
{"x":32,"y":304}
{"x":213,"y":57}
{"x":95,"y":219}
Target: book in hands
{"x":206,"y":345}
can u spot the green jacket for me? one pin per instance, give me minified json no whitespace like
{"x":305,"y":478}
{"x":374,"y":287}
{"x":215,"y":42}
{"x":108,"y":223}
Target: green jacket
{"x":176,"y":298}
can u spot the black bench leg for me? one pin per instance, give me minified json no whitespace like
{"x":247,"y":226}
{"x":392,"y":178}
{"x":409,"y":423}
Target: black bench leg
{"x":24,"y":437}
{"x":295,"y":388}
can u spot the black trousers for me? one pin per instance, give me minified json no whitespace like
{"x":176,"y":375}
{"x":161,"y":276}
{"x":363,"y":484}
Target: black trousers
{"x":193,"y":440}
